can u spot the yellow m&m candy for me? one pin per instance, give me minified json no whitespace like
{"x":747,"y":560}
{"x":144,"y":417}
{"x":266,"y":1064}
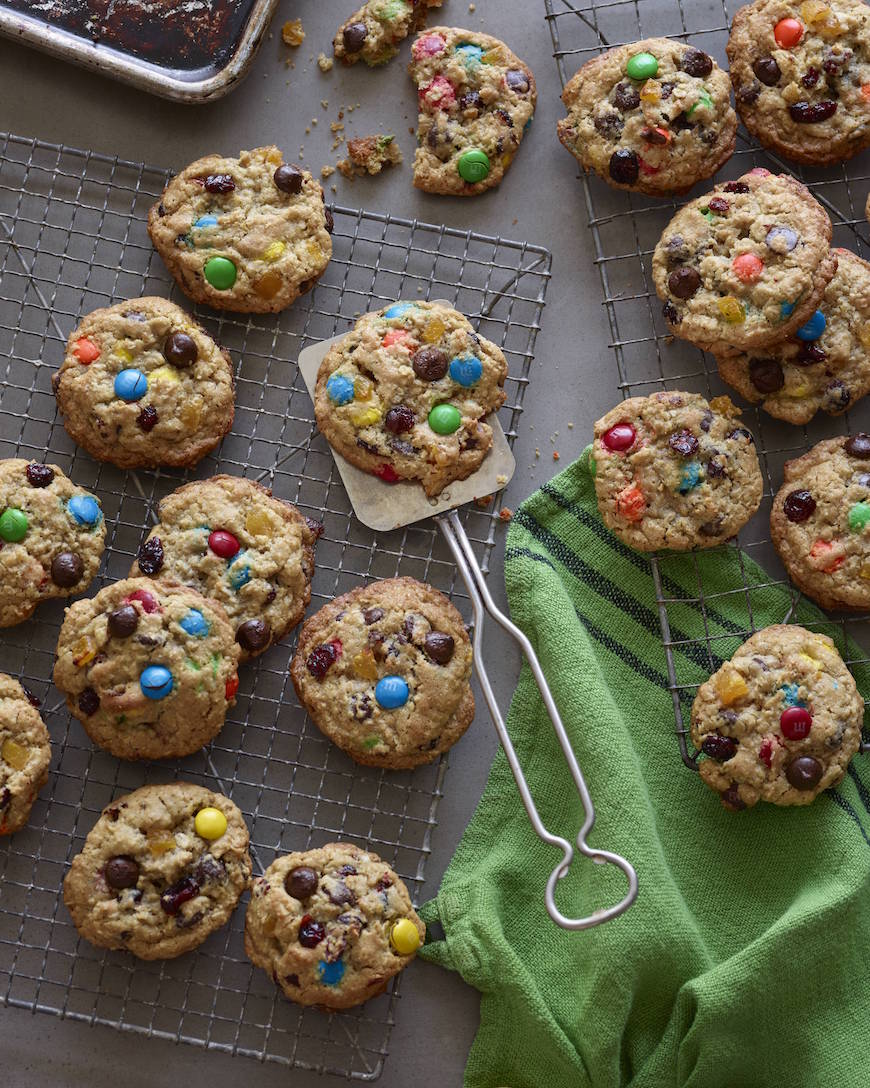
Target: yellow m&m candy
{"x":210,"y":823}
{"x":364,"y":415}
{"x":166,"y":374}
{"x":405,"y":937}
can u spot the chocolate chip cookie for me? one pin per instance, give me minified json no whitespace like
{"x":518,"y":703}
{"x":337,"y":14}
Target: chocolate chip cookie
{"x":143,"y":385}
{"x":52,"y":535}
{"x":404,"y":395}
{"x":672,"y":471}
{"x":746,"y":264}
{"x":331,"y":926}
{"x":384,"y":673}
{"x":148,"y":668}
{"x":249,"y":234}
{"x":161,"y":869}
{"x":820,"y":522}
{"x":801,"y":75}
{"x":778,"y":722}
{"x":376,"y":30}
{"x":228,"y":538}
{"x":825,"y":366}
{"x":476,"y":100}
{"x":654,"y":116}
{"x":25,"y":753}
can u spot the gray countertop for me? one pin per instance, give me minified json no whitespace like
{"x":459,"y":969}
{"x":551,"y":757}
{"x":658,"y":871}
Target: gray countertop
{"x":574,"y":380}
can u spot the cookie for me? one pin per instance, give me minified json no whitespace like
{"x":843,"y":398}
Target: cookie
{"x":779,"y":722}
{"x":825,"y":366}
{"x":25,"y":753}
{"x":52,"y":535}
{"x":476,"y":100}
{"x":228,"y":538}
{"x":149,"y":669}
{"x":143,"y":385}
{"x":249,"y":234}
{"x":746,"y":264}
{"x":161,"y":869}
{"x":331,"y":926}
{"x":404,"y":395}
{"x":820,"y":522}
{"x":376,"y":30}
{"x":653,"y":116}
{"x":384,"y":673}
{"x":801,"y":75}
{"x":672,"y":471}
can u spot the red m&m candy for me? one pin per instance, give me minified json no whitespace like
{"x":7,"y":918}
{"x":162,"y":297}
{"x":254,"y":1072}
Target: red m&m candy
{"x":232,"y":686}
{"x":146,"y":599}
{"x":223,"y":543}
{"x":796,"y":722}
{"x":747,"y":267}
{"x":788,"y":32}
{"x":620,"y":437}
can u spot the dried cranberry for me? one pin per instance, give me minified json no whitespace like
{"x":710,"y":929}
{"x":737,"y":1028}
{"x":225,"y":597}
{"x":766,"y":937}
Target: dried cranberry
{"x":718,"y":747}
{"x":666,"y":90}
{"x":810,"y":77}
{"x":347,"y":870}
{"x":714,"y":470}
{"x":798,"y":506}
{"x":624,"y":166}
{"x":625,"y":97}
{"x":684,"y":443}
{"x":89,"y":702}
{"x":736,"y":187}
{"x":684,"y":282}
{"x":748,"y":95}
{"x":147,"y":418}
{"x":150,"y":556}
{"x":858,"y":445}
{"x":180,"y":892}
{"x":810,"y":353}
{"x":219,"y":183}
{"x":471,"y":100}
{"x":740,"y":432}
{"x":399,"y":419}
{"x":810,"y":113}
{"x":322,"y":658}
{"x":311,"y":933}
{"x":31,"y":698}
{"x":383,"y":883}
{"x":767,"y":70}
{"x":694,"y":62}
{"x":719,"y":206}
{"x":669,"y":312}
{"x":766,"y":375}
{"x":330,"y":221}
{"x":39,"y":475}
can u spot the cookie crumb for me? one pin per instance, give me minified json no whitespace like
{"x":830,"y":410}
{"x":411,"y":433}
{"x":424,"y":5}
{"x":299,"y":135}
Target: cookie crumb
{"x":369,"y":155}
{"x":472,"y":7}
{"x":501,"y":480}
{"x":324,"y":63}
{"x":483,"y":501}
{"x":505,"y":513}
{"x":292,"y":33}
{"x":555,"y":455}
{"x":327,"y":171}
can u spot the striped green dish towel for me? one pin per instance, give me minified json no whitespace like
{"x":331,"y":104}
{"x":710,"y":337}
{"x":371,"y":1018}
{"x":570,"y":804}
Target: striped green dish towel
{"x":745,"y":962}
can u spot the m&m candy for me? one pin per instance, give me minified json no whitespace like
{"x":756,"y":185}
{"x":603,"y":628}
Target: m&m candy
{"x":205,"y":222}
{"x":473,"y":165}
{"x":747,"y":267}
{"x":466,"y":370}
{"x":86,"y":351}
{"x":405,"y":937}
{"x":156,"y":682}
{"x":859,"y":516}
{"x":642,"y":66}
{"x":796,"y":722}
{"x":620,"y":437}
{"x":210,"y":823}
{"x":220,"y":272}
{"x":399,"y":309}
{"x":223,"y":543}
{"x":444,"y":419}
{"x":813,"y":328}
{"x":194,"y":624}
{"x":13,"y":525}
{"x":391,"y":692}
{"x":84,"y":510}
{"x":339,"y":389}
{"x":787,"y":33}
{"x":131,"y":385}
{"x":469,"y":54}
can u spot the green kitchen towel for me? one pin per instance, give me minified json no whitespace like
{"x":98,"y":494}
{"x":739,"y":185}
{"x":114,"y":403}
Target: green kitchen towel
{"x":745,"y":962}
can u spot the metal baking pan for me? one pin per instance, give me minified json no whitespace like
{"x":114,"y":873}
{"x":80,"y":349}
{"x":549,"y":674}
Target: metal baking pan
{"x":186,"y":50}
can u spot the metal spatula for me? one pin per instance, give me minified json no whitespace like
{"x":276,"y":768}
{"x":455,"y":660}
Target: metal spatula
{"x":382,"y":506}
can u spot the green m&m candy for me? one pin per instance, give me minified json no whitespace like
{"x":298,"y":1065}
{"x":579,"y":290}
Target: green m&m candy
{"x":220,"y":273}
{"x":473,"y":165}
{"x":642,"y":66}
{"x":859,"y":516}
{"x":13,"y":525}
{"x":444,"y":419}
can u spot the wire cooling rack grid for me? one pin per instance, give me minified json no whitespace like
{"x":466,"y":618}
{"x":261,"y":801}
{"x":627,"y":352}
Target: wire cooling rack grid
{"x":72,"y":238}
{"x":625,"y":229}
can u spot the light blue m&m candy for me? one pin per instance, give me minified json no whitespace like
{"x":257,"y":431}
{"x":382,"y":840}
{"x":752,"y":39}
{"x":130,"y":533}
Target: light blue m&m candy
{"x":339,"y":389}
{"x":156,"y":682}
{"x":205,"y":221}
{"x":814,"y":328}
{"x":469,"y":54}
{"x":399,"y":309}
{"x":194,"y":624}
{"x":391,"y":692}
{"x":131,"y":385}
{"x":466,"y":370}
{"x":84,"y":510}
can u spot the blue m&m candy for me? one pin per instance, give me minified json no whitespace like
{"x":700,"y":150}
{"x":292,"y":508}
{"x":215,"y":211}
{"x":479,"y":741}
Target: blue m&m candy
{"x":84,"y":510}
{"x":466,"y":370}
{"x":156,"y":682}
{"x":470,"y":54}
{"x":131,"y":385}
{"x":194,"y":624}
{"x":391,"y":692}
{"x":399,"y":309}
{"x":205,"y":221}
{"x":814,"y":328}
{"x":330,"y":974}
{"x":786,"y":309}
{"x":339,"y":389}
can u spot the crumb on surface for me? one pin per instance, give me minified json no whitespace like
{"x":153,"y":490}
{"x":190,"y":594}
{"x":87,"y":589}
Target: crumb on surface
{"x":472,"y":7}
{"x":292,"y":33}
{"x":505,"y":513}
{"x":482,"y":501}
{"x":324,"y":63}
{"x":327,"y":171}
{"x":501,"y":479}
{"x":555,"y":455}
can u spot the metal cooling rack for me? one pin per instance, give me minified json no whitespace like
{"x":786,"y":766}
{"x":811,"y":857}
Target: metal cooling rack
{"x":625,"y":229}
{"x":72,"y":238}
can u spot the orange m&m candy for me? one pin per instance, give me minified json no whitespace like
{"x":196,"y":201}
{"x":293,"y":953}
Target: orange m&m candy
{"x":630,"y":503}
{"x":86,"y":351}
{"x":747,"y":267}
{"x":788,"y":32}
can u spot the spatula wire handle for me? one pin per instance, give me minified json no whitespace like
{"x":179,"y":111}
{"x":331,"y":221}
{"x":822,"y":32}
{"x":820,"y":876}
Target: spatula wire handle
{"x":482,"y":603}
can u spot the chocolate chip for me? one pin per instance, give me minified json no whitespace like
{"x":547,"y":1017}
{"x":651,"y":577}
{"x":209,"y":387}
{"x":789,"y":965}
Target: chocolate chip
{"x":372,"y":615}
{"x":430,"y":363}
{"x":439,"y":646}
{"x":288,"y":178}
{"x":121,"y":871}
{"x":89,"y":702}
{"x":360,"y":707}
{"x":684,"y":282}
{"x":609,"y":125}
{"x":712,"y":528}
{"x":354,"y":37}
{"x":123,"y":621}
{"x":714,"y":470}
{"x":624,"y":166}
{"x":804,"y":772}
{"x":654,"y":135}
{"x":347,"y":870}
{"x":683,"y":442}
{"x":301,"y":882}
{"x":740,"y":432}
{"x":180,"y":349}
{"x":731,"y":799}
{"x":625,"y":97}
{"x":858,"y":445}
{"x":209,"y":868}
{"x":39,"y":475}
{"x":766,"y":375}
{"x":696,"y":63}
{"x":767,"y":70}
{"x":748,"y":95}
{"x":799,"y":506}
{"x":67,"y":569}
{"x":150,"y":556}
{"x":340,"y":894}
{"x":669,"y":312}
{"x":681,"y":123}
{"x":253,"y":635}
{"x":676,"y":250}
